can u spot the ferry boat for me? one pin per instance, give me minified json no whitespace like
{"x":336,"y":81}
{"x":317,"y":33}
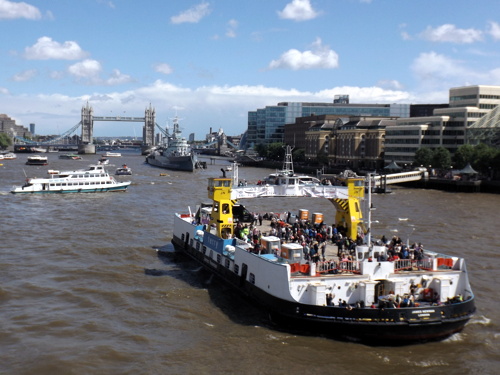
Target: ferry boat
{"x":93,"y":180}
{"x":37,"y":160}
{"x":381,"y":301}
{"x":176,"y":154}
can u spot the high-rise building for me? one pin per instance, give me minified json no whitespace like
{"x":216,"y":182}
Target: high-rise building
{"x":266,"y":125}
{"x":448,"y":127}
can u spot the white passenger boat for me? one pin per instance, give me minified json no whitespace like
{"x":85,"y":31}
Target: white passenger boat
{"x":9,"y":156}
{"x":112,"y":154}
{"x":37,"y":160}
{"x":93,"y":180}
{"x":383,"y":299}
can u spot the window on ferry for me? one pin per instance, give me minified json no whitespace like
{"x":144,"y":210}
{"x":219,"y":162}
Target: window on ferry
{"x":204,"y":250}
{"x":63,"y":184}
{"x":87,"y":183}
{"x":251,"y":277}
{"x":81,"y":183}
{"x":236,"y":269}
{"x":227,"y":263}
{"x":219,"y":258}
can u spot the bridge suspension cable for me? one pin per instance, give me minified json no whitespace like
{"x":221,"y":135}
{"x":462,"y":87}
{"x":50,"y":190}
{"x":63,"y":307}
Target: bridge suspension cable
{"x":52,"y":140}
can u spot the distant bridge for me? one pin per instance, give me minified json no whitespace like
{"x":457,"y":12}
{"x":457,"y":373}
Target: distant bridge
{"x":86,"y":124}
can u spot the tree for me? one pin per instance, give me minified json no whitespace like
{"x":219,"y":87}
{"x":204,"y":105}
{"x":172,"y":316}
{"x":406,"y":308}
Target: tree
{"x":5,"y":141}
{"x":299,"y":155}
{"x":276,"y":151}
{"x":423,"y":157}
{"x":463,"y":155}
{"x":441,"y":158}
{"x":261,"y":149}
{"x":483,"y":158}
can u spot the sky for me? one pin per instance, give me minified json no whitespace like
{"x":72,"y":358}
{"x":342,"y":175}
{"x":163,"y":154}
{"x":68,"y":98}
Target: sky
{"x":209,"y":62}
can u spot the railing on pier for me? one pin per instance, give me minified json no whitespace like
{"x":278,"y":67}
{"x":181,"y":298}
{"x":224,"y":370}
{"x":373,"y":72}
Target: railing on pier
{"x":396,"y":178}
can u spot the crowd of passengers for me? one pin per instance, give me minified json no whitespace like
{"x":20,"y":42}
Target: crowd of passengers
{"x":314,"y":238}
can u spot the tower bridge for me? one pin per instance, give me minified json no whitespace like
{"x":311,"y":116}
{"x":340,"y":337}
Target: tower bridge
{"x":148,"y":131}
{"x":86,"y":145}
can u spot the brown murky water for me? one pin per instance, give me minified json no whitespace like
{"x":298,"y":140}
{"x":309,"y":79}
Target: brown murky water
{"x":83,"y":291}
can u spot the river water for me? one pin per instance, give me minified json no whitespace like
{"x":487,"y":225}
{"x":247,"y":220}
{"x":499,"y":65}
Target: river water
{"x":84,"y":291}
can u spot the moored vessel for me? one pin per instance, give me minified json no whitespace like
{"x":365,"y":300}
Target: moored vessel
{"x":95,"y":179}
{"x":176,"y":154}
{"x":377,"y":293}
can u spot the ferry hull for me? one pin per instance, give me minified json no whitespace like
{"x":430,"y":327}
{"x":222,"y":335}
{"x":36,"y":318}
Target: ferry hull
{"x":370,"y":326}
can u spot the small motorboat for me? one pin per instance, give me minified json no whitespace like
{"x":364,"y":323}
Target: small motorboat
{"x":124,"y":170}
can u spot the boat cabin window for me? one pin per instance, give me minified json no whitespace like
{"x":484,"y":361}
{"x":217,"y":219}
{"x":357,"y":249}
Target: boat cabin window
{"x":221,"y":183}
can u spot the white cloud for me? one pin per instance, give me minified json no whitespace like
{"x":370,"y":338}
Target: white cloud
{"x":117,"y":78}
{"x":434,"y":70}
{"x":25,"y":76}
{"x":229,"y":104}
{"x":451,"y":34}
{"x":163,"y":68}
{"x":47,"y":49}
{"x":13,"y":10}
{"x":231,"y":28}
{"x":390,"y":84}
{"x":494,"y":30}
{"x":4,"y":91}
{"x":319,"y":57}
{"x":89,"y":69}
{"x":193,"y":14}
{"x":298,"y":10}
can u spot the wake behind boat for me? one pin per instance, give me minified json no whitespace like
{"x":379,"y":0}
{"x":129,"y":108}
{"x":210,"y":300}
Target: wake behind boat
{"x":175,"y":154}
{"x":387,"y":294}
{"x":93,"y":180}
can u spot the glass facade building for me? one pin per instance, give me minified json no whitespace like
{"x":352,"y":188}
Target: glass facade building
{"x":266,"y":125}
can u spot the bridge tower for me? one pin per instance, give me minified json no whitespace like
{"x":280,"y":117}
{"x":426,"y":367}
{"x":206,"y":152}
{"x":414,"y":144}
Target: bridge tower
{"x":86,"y":145}
{"x":148,"y":132}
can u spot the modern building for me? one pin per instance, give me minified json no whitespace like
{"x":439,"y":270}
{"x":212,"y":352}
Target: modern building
{"x":9,"y":126}
{"x":448,"y":127}
{"x":266,"y":125}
